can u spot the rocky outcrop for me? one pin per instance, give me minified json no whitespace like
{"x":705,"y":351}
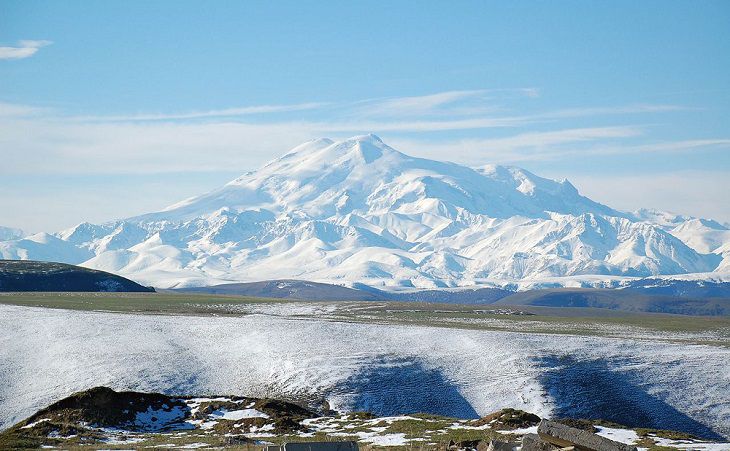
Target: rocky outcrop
{"x":552,"y":435}
{"x":101,"y":417}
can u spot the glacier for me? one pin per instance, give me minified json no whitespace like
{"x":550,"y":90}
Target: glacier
{"x":359,"y":211}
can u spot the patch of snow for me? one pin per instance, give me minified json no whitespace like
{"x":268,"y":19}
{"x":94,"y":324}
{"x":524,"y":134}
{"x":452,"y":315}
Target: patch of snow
{"x":619,"y":435}
{"x":122,"y":440}
{"x":523,"y":431}
{"x":398,"y":439}
{"x":35,"y":423}
{"x":223,"y":414}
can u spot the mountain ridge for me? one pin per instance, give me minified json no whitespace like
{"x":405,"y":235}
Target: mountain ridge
{"x":359,"y":211}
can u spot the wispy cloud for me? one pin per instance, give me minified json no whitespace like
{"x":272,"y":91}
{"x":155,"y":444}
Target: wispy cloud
{"x":700,"y":193}
{"x":515,"y":148}
{"x":220,"y":113}
{"x":24,"y":49}
{"x":421,"y":125}
{"x":35,"y":146}
{"x":550,"y":146}
{"x":557,"y":137}
{"x":15,"y":110}
{"x":455,"y":103}
{"x":416,"y":105}
{"x":603,"y":111}
{"x":670,"y":146}
{"x":38,"y":140}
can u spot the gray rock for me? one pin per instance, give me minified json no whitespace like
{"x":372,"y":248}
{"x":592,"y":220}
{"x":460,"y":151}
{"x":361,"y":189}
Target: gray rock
{"x":532,"y":442}
{"x":565,"y":436}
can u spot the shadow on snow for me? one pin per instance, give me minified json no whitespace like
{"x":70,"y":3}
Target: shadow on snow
{"x":395,"y":387}
{"x":591,"y":389}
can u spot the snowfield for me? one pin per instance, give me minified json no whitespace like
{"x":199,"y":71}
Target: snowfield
{"x":47,"y":354}
{"x":358,"y":210}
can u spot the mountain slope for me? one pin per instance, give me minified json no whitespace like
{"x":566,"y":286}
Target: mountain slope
{"x":357,"y":210}
{"x":8,"y":233}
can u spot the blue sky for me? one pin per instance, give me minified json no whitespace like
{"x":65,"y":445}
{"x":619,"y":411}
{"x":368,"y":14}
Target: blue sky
{"x":110,"y":109}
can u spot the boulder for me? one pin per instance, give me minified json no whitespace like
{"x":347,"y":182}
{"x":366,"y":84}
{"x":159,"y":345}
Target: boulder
{"x":532,"y":442}
{"x":564,"y":436}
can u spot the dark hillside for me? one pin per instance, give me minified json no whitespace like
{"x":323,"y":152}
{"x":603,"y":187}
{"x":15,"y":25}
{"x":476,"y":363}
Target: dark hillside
{"x":28,"y":275}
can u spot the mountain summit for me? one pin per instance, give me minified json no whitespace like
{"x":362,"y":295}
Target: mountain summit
{"x":358,"y":210}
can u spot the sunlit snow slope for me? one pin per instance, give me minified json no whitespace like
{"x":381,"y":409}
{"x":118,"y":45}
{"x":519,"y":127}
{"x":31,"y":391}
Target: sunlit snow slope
{"x":359,"y":211}
{"x":388,"y":369}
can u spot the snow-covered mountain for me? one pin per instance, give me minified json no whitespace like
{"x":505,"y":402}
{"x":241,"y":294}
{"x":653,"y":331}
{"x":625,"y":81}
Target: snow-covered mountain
{"x":8,"y":233}
{"x":357,"y":210}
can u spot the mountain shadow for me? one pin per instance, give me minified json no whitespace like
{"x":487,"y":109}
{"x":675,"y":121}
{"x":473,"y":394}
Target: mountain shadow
{"x":396,"y":387}
{"x":591,"y":389}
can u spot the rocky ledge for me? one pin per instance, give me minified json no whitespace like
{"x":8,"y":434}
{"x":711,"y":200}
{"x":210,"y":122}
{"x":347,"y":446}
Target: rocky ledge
{"x":101,"y":418}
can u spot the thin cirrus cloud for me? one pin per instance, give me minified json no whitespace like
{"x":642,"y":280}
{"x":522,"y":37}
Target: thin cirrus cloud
{"x":11,"y":110}
{"x":416,"y":105}
{"x":515,"y":148}
{"x":24,"y":49}
{"x":219,"y":113}
{"x":467,"y":127}
{"x":604,"y":111}
{"x":446,"y":104}
{"x":460,"y":102}
{"x":39,"y":140}
{"x":552,"y":145}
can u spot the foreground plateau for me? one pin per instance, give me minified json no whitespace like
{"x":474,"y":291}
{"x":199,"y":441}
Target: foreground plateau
{"x":390,"y":359}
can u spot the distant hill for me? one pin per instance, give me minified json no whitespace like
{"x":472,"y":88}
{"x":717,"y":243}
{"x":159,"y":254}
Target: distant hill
{"x":289,"y":289}
{"x":28,"y":275}
{"x":650,"y":295}
{"x":616,"y":299}
{"x":316,"y":291}
{"x":681,"y":288}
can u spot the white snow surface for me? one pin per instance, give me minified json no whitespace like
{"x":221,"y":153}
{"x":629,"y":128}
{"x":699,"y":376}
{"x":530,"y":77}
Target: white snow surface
{"x":619,"y":435}
{"x":398,"y":439}
{"x":224,"y":414}
{"x":47,"y":354}
{"x":358,"y":210}
{"x":9,"y":233}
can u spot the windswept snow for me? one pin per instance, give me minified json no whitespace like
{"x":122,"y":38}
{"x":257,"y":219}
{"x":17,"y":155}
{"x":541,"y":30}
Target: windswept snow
{"x":392,"y":370}
{"x":358,"y":210}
